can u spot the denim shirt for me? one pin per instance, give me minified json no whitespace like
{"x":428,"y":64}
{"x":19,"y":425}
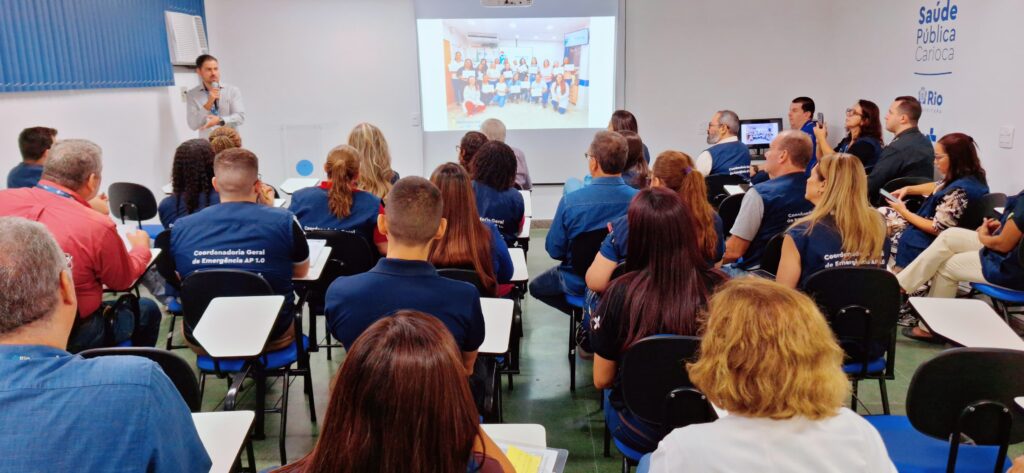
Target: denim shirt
{"x":589,"y":208}
{"x":62,"y":412}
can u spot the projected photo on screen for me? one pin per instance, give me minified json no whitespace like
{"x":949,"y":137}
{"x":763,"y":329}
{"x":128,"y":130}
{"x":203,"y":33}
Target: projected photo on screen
{"x":758,"y":134}
{"x":527,"y":72}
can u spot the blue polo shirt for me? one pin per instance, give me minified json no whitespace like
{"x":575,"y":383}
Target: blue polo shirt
{"x":587,"y":209}
{"x":247,"y":236}
{"x":24,"y":175}
{"x":173,"y":207}
{"x":310,"y":207}
{"x":502,"y":208}
{"x":809,"y":129}
{"x":1005,"y":269}
{"x":356,"y":302}
{"x":822,"y":248}
{"x":62,"y":412}
{"x":615,"y":245}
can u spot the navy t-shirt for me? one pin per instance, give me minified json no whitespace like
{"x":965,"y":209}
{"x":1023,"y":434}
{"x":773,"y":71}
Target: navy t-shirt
{"x":173,"y":207}
{"x":1005,"y":269}
{"x":822,"y":248}
{"x":504,"y":209}
{"x":356,"y":302}
{"x":24,"y":175}
{"x":247,"y":236}
{"x":614,"y":246}
{"x":310,"y":207}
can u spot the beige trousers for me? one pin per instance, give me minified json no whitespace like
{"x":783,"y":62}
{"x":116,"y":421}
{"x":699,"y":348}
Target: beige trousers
{"x":953,"y":257}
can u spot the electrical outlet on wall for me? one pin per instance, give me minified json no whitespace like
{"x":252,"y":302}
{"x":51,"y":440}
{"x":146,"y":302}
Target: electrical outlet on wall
{"x":184,"y":94}
{"x":1006,"y":137}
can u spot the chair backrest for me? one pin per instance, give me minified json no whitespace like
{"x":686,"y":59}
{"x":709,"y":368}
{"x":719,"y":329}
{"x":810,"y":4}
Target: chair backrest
{"x":772,"y":254}
{"x":862,"y":306}
{"x":129,"y":201}
{"x":165,"y":262}
{"x":978,"y":209}
{"x":352,"y":251}
{"x":728,"y":211}
{"x":584,"y":248}
{"x":716,"y":186}
{"x":655,"y":385}
{"x":200,"y":287}
{"x":175,"y":367}
{"x":944,"y":389}
{"x":465,"y":275}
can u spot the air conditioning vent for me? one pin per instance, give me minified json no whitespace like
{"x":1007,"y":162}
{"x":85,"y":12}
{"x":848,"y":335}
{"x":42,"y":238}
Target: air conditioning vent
{"x":186,"y":38}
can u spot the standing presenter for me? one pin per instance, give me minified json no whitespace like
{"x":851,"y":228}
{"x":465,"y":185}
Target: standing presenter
{"x":212,"y":104}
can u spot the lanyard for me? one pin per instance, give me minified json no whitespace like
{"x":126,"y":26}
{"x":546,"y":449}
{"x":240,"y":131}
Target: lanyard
{"x":54,"y":190}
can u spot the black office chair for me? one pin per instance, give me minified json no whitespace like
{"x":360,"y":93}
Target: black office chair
{"x":201,"y":287}
{"x":772,"y":254}
{"x":861,"y":305}
{"x":129,"y":201}
{"x":465,"y":275}
{"x":351,"y":254}
{"x":582,"y":251}
{"x":716,"y":186}
{"x":657,"y":389}
{"x":961,"y":394}
{"x":913,"y":202}
{"x":728,"y":210}
{"x":978,"y":210}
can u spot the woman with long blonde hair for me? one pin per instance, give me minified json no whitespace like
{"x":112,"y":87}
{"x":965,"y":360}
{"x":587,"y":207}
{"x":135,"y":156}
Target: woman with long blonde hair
{"x":842,"y":230}
{"x":376,"y":175}
{"x":768,"y":357}
{"x":337,"y":203}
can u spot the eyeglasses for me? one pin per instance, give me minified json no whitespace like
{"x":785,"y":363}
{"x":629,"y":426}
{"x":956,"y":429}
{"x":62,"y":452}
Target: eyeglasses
{"x":458,"y":148}
{"x":941,"y":156}
{"x":587,"y":155}
{"x":851,"y":112}
{"x":714,"y":125}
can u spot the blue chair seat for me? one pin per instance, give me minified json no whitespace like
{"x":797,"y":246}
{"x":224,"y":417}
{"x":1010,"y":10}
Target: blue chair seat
{"x":575,"y":301}
{"x":627,"y":452}
{"x":914,"y":452}
{"x":270,"y":361}
{"x":153,"y":230}
{"x":876,"y":366}
{"x":1001,"y":293}
{"x":174,"y":306}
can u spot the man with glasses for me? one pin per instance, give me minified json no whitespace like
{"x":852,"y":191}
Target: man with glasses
{"x":244,"y":232}
{"x":99,"y":257}
{"x":727,"y":154}
{"x":586,"y":209}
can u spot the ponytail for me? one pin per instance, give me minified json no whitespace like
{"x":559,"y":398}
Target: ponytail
{"x":343,"y":170}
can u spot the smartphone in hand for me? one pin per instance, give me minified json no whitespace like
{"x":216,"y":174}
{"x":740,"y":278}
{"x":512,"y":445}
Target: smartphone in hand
{"x":821,"y":119}
{"x":888,"y":196}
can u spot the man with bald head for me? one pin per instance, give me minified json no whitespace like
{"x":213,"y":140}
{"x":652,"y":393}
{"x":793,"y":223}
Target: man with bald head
{"x":769,"y":207}
{"x":65,"y":413}
{"x":60,"y":201}
{"x":241,"y":233}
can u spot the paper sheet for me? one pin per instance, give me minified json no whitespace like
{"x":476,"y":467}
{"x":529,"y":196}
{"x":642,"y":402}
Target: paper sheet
{"x":315,"y":247}
{"x":523,"y":462}
{"x":733,"y":189}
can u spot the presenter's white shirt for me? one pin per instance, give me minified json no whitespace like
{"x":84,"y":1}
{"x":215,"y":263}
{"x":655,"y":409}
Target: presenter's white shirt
{"x":472,"y":95}
{"x":845,"y":443}
{"x":229,"y":107}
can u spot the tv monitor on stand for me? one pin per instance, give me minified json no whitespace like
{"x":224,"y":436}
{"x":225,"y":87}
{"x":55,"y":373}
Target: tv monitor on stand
{"x":758,"y":133}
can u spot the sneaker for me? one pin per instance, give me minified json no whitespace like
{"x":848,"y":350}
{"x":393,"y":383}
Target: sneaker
{"x":907,"y":319}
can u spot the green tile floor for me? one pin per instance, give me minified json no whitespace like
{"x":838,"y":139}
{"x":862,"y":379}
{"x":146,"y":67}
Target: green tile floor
{"x":541,"y":392}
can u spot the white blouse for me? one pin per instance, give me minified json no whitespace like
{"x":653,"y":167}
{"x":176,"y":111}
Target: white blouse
{"x":472,"y":95}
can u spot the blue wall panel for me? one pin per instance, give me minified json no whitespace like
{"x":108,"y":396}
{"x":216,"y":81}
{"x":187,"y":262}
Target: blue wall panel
{"x":86,"y":44}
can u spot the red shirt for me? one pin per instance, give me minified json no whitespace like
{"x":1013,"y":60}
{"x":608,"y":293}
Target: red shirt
{"x":98,"y":255}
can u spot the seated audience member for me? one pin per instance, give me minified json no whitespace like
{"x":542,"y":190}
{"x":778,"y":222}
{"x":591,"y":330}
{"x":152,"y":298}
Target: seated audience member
{"x":60,"y":201}
{"x":842,"y":230}
{"x":963,"y":182}
{"x":863,"y":134}
{"x":769,"y":207}
{"x":191,"y":181}
{"x":623,"y":120}
{"x":636,"y":173}
{"x":375,"y":173}
{"x":990,"y":255}
{"x":337,"y":203}
{"x":910,"y":154}
{"x":426,"y":422}
{"x":672,"y":170}
{"x":468,"y":146}
{"x":34,"y":144}
{"x":225,"y":137}
{"x":468,"y":242}
{"x":116,"y":413}
{"x":213,"y":237}
{"x":666,"y":285}
{"x":405,"y":279}
{"x":801,"y":117}
{"x":768,"y":357}
{"x":494,"y":129}
{"x":496,"y":199}
{"x":587,"y":209}
{"x":727,"y":154}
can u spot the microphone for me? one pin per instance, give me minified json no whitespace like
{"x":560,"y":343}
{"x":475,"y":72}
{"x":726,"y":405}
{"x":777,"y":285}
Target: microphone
{"x":216,"y":85}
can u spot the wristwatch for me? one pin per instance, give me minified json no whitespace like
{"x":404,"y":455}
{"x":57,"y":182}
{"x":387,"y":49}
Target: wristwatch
{"x":221,"y":122}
